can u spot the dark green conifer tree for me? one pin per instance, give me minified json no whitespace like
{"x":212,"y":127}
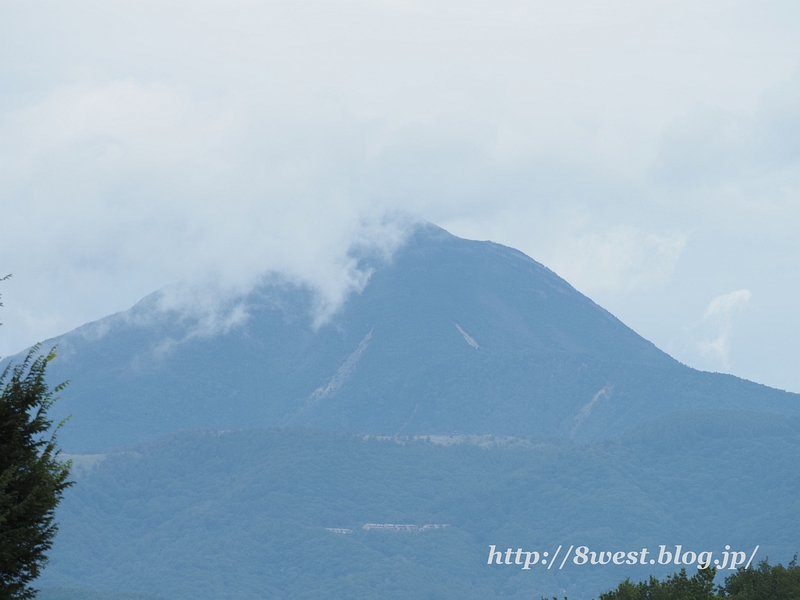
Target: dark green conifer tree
{"x":32,"y":478}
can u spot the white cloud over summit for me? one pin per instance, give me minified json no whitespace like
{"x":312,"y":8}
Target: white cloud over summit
{"x":645,"y":151}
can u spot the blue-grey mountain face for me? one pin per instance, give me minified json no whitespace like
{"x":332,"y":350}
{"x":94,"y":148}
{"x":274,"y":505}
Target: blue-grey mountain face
{"x":280,"y":513}
{"x":450,"y":335}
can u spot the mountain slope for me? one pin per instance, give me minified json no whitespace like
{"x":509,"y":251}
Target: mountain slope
{"x":247,"y":514}
{"x":450,"y":335}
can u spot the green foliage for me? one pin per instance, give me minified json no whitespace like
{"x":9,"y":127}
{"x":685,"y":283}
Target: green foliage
{"x":32,"y":478}
{"x":764,"y":583}
{"x":675,"y":587}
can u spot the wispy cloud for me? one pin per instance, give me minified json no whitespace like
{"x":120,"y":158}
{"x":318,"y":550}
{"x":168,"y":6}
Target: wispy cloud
{"x":719,"y":316}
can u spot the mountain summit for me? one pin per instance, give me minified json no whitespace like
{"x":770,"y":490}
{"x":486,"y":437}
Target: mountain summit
{"x":450,"y":335}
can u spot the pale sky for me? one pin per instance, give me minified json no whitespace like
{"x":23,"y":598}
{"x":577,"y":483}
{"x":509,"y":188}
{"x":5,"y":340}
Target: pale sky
{"x":648,"y":152}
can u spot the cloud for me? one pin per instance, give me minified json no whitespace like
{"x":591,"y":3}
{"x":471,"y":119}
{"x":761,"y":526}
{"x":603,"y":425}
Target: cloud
{"x":719,"y":316}
{"x":144,"y":185}
{"x":144,"y":143}
{"x":729,"y":163}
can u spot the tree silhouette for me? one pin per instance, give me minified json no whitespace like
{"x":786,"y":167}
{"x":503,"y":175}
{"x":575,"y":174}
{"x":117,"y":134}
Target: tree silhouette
{"x":32,"y":478}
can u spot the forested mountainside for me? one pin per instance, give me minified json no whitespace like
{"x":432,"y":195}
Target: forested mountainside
{"x":281,"y":513}
{"x":449,"y":335}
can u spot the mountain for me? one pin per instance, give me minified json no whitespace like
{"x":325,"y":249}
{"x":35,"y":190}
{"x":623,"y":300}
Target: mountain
{"x":240,"y":453}
{"x":280,"y":513}
{"x":449,"y":335}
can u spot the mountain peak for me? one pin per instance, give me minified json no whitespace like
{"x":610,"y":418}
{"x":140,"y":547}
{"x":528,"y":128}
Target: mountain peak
{"x":449,"y":335}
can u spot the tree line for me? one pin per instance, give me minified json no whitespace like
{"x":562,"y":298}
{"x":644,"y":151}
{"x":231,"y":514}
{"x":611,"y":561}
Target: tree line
{"x":765,"y":582}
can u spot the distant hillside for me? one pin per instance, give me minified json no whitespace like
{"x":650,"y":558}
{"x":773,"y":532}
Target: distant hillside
{"x":450,"y":335}
{"x":81,"y":594}
{"x":249,"y":514}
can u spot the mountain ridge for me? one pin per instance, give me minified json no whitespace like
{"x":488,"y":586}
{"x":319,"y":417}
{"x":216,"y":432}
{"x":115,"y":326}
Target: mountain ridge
{"x":448,"y":335}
